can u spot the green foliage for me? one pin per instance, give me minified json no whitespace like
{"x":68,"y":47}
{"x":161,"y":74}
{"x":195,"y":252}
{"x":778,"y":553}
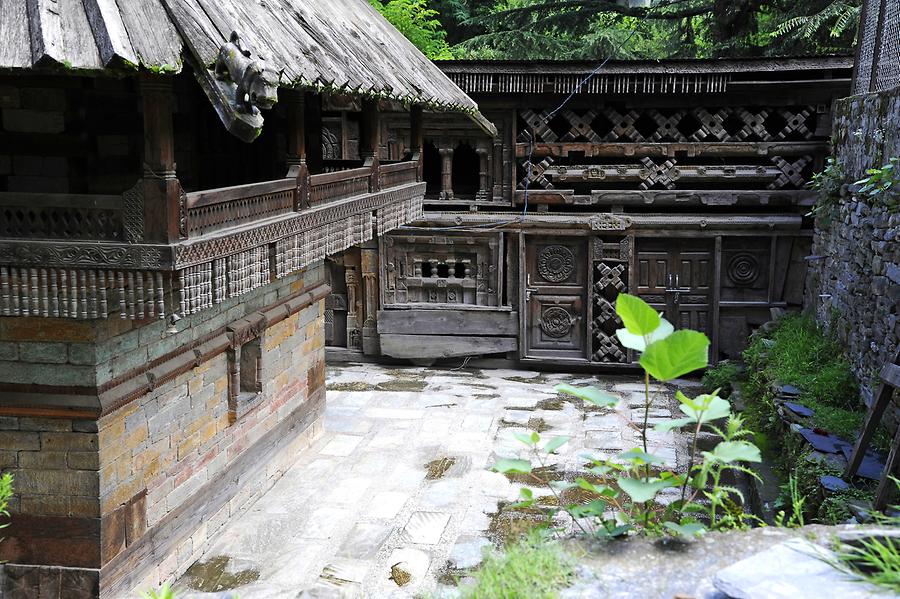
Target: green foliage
{"x":418,"y":24}
{"x":532,"y":567}
{"x":721,"y":376}
{"x":798,"y":353}
{"x":6,"y":492}
{"x":164,"y":592}
{"x":828,"y":183}
{"x":876,"y":560}
{"x":882,"y":186}
{"x":620,"y":493}
{"x":554,"y":29}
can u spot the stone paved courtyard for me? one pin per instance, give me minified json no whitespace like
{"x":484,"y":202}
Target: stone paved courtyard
{"x":401,"y":476}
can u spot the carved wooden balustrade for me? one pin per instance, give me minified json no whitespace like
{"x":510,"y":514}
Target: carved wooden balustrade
{"x":61,"y":216}
{"x":79,"y":256}
{"x":215,"y":209}
{"x":337,"y":185}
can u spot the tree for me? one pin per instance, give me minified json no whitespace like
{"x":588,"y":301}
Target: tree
{"x":417,"y":22}
{"x":653,"y":28}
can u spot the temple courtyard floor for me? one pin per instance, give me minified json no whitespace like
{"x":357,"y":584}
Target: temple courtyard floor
{"x":397,"y":498}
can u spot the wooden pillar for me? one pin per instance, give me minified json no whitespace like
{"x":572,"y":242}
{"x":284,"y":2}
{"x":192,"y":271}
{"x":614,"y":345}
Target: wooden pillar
{"x":369,"y":268}
{"x":296,"y":144}
{"x":312,"y":118}
{"x":497,"y":171}
{"x":417,"y":137}
{"x":446,"y":173}
{"x":483,"y":191}
{"x":351,"y":278}
{"x":163,"y":211}
{"x":370,"y":140}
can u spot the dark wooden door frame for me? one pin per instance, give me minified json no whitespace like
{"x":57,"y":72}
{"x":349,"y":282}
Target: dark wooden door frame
{"x":524,"y":311}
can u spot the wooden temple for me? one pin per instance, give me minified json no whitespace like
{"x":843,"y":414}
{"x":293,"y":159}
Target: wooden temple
{"x":684,"y":182}
{"x":169,"y":190}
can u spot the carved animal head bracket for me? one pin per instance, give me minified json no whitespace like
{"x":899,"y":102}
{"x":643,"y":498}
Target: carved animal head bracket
{"x":240,"y":84}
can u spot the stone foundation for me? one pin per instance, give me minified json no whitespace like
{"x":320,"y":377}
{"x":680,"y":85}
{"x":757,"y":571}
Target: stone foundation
{"x":132,"y":444}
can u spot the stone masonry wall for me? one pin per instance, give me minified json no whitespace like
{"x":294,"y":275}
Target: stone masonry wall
{"x":90,"y":490}
{"x":854,"y":276}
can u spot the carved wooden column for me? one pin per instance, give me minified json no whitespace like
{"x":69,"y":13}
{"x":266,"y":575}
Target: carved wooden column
{"x":483,"y":192}
{"x":354,"y":299}
{"x":498,"y":168}
{"x":370,"y":140}
{"x":369,"y":268}
{"x":446,"y":173}
{"x":312,"y":118}
{"x":163,"y":210}
{"x":296,"y":144}
{"x":416,"y":137}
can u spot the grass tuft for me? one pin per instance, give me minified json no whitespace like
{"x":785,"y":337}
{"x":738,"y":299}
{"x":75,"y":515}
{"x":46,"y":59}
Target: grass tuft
{"x":875,"y":560}
{"x":533,"y":567}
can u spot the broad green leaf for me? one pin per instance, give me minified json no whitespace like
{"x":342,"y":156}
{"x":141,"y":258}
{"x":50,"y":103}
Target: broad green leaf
{"x":642,"y":491}
{"x":596,"y":507}
{"x":588,"y":486}
{"x":527,"y":438}
{"x":636,"y":314}
{"x":678,"y":354}
{"x":640,"y":342}
{"x":591,"y":395}
{"x":512,"y":466}
{"x":687,"y":530}
{"x":613,"y":531}
{"x":561,"y":485}
{"x":555,"y":443}
{"x":526,"y":493}
{"x":639,"y":457}
{"x":668,"y":425}
{"x":711,"y":407}
{"x":734,"y":451}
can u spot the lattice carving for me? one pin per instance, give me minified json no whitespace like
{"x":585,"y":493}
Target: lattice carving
{"x":677,"y":125}
{"x":609,"y":279}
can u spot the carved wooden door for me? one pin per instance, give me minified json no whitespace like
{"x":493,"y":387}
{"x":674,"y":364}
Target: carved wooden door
{"x":555,"y":290}
{"x":675,"y":276}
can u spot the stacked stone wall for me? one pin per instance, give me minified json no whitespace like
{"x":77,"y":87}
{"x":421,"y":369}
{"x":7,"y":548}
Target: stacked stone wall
{"x":854,"y":275}
{"x":131,"y":489}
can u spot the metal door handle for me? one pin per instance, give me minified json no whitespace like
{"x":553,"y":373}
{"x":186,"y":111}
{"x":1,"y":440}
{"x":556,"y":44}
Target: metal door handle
{"x":528,"y":288}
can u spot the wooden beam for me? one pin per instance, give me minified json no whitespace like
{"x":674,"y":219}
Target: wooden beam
{"x":416,"y":138}
{"x":448,"y":322}
{"x":370,"y":140}
{"x":312,"y":118}
{"x":431,"y":346}
{"x":162,"y":191}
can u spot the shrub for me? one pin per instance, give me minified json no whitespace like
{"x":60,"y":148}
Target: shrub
{"x":721,"y":377}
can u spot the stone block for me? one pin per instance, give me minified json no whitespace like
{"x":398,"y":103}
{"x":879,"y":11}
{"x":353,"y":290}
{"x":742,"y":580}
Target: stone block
{"x":43,"y":98}
{"x":42,"y":460}
{"x":9,"y":351}
{"x":9,"y":423}
{"x":84,"y":426}
{"x":51,"y":425}
{"x":20,"y":120}
{"x":9,"y":459}
{"x":57,"y":482}
{"x":83,"y":460}
{"x":9,"y":97}
{"x":43,"y":353}
{"x":69,"y":441}
{"x":45,"y":505}
{"x":20,"y":440}
{"x":82,"y":354}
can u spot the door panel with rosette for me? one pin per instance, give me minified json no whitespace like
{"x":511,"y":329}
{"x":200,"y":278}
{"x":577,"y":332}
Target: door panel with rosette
{"x":555,"y":287}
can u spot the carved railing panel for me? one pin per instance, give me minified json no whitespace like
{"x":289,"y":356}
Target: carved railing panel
{"x":61,"y":216}
{"x":326,"y":187}
{"x":216,"y":209}
{"x":399,"y":173}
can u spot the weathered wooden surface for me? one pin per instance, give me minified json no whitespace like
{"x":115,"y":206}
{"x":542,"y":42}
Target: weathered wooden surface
{"x":448,"y":322}
{"x":341,"y":45}
{"x":429,"y":346}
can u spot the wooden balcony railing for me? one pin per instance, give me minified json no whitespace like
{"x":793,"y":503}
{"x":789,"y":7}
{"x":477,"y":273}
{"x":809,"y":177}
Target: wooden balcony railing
{"x":398,"y":173}
{"x":61,"y":216}
{"x":215,"y":209}
{"x":339,"y":184}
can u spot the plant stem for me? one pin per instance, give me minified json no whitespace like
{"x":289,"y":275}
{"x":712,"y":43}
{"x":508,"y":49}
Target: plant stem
{"x":552,"y":490}
{"x":646,"y":419}
{"x":687,"y":476}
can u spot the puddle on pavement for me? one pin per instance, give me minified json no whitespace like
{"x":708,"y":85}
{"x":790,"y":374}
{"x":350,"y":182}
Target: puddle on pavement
{"x":538,"y":425}
{"x":485,"y":396}
{"x":399,"y":575}
{"x":354,"y":386}
{"x":450,"y":576}
{"x":437,"y":468}
{"x":535,"y":380}
{"x":546,"y":473}
{"x":213,"y":576}
{"x":509,"y":524}
{"x":402,"y":384}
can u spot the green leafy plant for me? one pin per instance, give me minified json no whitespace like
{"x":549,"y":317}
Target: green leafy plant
{"x":531,"y":567}
{"x":722,"y":377}
{"x":829,"y":183}
{"x":164,"y":592}
{"x":418,"y":24}
{"x":620,"y":494}
{"x":882,"y":186}
{"x":794,"y":519}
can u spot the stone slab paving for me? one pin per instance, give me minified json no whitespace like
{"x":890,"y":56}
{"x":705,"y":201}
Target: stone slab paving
{"x":399,"y":486}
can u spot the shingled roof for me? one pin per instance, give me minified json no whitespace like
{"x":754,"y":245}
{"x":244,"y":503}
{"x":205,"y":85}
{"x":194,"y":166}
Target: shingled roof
{"x":344,"y":46}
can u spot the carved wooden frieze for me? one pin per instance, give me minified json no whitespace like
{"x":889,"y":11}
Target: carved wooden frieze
{"x":441,"y":269}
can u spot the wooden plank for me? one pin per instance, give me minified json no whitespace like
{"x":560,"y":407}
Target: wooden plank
{"x":15,"y":51}
{"x":45,"y":24}
{"x":153,"y":36}
{"x":890,"y":374}
{"x":109,"y":31}
{"x":430,"y":346}
{"x":448,"y":322}
{"x":691,"y":149}
{"x":207,"y":197}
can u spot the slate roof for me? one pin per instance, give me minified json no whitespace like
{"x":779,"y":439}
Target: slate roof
{"x":334,"y":45}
